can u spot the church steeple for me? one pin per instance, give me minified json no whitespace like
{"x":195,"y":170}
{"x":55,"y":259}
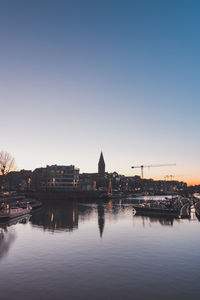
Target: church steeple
{"x":101,"y":165}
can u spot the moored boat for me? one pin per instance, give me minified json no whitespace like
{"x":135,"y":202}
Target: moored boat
{"x":7,"y":212}
{"x":13,"y":221}
{"x":154,"y":209}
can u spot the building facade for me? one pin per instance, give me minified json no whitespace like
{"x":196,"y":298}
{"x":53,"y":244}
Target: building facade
{"x":55,"y":178}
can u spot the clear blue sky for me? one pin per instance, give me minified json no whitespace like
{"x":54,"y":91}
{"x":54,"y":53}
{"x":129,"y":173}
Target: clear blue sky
{"x":78,"y":77}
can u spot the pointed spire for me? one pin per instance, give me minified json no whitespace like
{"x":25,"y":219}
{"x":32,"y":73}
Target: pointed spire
{"x":101,"y":165}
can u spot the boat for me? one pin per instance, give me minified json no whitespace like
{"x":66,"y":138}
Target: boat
{"x":154,"y":209}
{"x":33,"y":203}
{"x":10,"y":222}
{"x":9,"y":212}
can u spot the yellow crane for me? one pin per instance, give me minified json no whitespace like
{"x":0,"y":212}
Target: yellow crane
{"x":151,"y":166}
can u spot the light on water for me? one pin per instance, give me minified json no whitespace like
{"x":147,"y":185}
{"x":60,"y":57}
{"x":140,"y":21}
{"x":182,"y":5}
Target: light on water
{"x":99,"y":251}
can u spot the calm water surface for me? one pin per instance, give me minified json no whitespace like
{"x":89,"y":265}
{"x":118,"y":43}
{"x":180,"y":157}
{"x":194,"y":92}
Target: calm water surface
{"x":99,"y":251}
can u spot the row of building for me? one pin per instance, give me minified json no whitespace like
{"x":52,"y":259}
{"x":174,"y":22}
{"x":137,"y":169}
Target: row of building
{"x":68,"y":178}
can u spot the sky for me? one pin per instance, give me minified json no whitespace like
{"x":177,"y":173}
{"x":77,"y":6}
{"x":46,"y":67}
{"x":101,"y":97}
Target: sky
{"x":80,"y":77}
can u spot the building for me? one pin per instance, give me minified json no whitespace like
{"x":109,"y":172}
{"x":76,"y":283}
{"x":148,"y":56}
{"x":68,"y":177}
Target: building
{"x":55,"y":178}
{"x":39,"y":179}
{"x":87,"y":181}
{"x":17,"y":180}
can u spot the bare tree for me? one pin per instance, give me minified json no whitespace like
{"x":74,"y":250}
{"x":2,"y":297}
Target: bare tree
{"x":7,"y":163}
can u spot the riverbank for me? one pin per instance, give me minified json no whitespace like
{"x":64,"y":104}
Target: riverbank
{"x":71,"y":195}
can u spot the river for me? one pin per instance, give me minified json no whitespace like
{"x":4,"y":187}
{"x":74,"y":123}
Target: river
{"x":99,"y":251}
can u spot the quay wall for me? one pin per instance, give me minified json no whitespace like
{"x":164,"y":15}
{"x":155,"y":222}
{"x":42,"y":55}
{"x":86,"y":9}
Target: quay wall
{"x":70,"y":195}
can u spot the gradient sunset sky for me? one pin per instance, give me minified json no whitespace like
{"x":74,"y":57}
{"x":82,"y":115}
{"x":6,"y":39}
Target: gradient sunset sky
{"x":79,"y":76}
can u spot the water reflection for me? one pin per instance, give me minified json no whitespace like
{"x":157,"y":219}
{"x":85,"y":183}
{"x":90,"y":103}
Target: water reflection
{"x":99,"y":251}
{"x":57,"y":216}
{"x":7,"y":237}
{"x":65,"y":216}
{"x":164,"y":221}
{"x":101,"y":218}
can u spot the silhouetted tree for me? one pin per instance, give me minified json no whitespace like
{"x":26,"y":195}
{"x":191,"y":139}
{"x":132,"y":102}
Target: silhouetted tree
{"x":7,"y":164}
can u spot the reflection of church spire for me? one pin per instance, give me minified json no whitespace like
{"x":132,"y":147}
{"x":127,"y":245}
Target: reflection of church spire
{"x":101,"y":218}
{"x":101,"y":165}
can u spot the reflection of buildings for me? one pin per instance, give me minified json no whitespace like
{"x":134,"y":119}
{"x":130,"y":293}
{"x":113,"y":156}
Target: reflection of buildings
{"x":164,"y":221}
{"x":101,"y":218}
{"x":57,"y":216}
{"x":65,"y":216}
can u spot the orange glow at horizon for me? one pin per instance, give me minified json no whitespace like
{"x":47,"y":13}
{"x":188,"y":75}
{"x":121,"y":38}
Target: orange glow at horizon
{"x":195,"y":182}
{"x":190,"y":180}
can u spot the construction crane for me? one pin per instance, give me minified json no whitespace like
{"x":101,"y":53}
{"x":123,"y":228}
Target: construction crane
{"x":151,"y":166}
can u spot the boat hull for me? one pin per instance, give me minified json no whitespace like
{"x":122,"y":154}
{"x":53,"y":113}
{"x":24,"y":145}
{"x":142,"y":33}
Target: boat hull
{"x":145,"y":210}
{"x":14,"y":215}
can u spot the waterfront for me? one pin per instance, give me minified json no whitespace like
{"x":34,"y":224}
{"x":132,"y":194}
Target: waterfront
{"x":99,"y":251}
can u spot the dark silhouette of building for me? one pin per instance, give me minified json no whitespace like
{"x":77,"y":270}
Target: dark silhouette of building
{"x":55,"y":178}
{"x":101,"y":165}
{"x":18,"y":180}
